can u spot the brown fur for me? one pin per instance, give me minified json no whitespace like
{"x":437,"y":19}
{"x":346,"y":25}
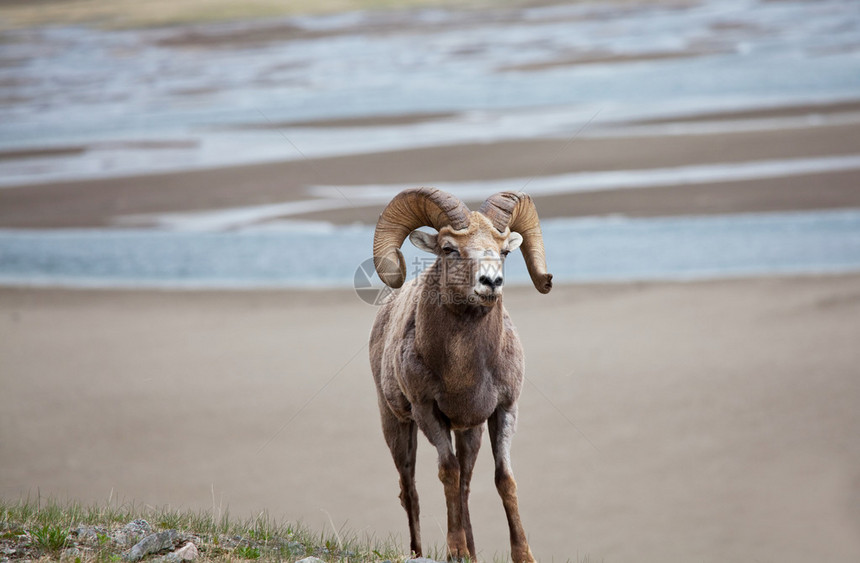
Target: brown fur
{"x":445,"y":359}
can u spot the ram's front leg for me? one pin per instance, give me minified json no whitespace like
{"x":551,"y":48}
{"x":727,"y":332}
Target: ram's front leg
{"x":468,"y":443}
{"x":501,"y":426}
{"x":438,"y":432}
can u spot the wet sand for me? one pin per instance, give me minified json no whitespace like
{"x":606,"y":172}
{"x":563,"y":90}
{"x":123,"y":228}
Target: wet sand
{"x":660,"y":422}
{"x":370,"y":121}
{"x":599,"y":57}
{"x":782,"y":111}
{"x":103,"y":202}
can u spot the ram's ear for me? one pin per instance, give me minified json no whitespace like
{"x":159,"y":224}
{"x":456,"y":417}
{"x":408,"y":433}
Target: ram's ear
{"x":514,"y":241}
{"x":424,"y":241}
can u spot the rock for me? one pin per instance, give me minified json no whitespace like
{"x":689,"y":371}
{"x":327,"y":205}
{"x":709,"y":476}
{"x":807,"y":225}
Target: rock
{"x":89,"y":535}
{"x":71,"y":554}
{"x":140,"y":527}
{"x":133,"y":532}
{"x":421,"y":560}
{"x":187,"y":552}
{"x":310,"y":560}
{"x":153,"y":543}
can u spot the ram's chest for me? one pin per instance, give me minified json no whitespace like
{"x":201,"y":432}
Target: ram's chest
{"x":470,"y":407}
{"x":466,"y":391}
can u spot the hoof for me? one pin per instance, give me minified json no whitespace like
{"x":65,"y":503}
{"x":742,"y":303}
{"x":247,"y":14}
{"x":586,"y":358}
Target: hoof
{"x":457,"y":550}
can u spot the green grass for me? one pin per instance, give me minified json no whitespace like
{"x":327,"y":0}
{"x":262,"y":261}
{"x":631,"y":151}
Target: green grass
{"x":48,"y":531}
{"x":50,"y":538}
{"x":247,"y":552}
{"x":36,"y":529}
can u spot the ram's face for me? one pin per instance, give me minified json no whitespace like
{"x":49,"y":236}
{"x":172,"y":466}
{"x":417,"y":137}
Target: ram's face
{"x":472,"y":260}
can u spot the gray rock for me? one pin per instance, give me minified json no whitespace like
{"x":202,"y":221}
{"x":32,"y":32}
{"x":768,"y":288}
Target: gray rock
{"x":310,"y":560}
{"x":89,"y":535}
{"x":139,"y":526}
{"x":174,"y":557}
{"x":71,"y":553}
{"x":153,"y":543}
{"x":187,"y":552}
{"x":295,"y":548}
{"x":133,"y":532}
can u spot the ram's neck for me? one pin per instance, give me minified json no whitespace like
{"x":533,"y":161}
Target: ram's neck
{"x":459,"y":344}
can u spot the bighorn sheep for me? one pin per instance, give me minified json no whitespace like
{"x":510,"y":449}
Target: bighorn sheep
{"x":444,"y":353}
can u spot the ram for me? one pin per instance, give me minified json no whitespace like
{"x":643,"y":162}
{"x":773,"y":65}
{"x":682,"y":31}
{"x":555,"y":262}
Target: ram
{"x":444,"y":353}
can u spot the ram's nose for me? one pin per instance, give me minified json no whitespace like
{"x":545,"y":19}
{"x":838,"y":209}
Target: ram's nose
{"x":492,"y":282}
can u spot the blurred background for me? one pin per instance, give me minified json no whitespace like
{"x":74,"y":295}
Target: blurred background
{"x":188,"y":190}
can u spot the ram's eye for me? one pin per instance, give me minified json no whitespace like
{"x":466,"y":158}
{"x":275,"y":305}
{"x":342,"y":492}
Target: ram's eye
{"x":505,"y":252}
{"x":449,"y":250}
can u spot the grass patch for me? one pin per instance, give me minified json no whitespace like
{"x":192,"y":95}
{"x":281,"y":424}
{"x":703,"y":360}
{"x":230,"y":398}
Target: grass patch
{"x":100,"y":534}
{"x":247,"y":552}
{"x":51,"y":538}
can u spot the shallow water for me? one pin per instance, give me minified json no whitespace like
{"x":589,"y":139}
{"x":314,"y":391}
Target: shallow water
{"x":228,"y":102}
{"x":319,"y":256}
{"x":142,"y":101}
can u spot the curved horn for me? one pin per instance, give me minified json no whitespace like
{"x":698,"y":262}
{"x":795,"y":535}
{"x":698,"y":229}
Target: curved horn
{"x":410,"y":209}
{"x":516,"y":210}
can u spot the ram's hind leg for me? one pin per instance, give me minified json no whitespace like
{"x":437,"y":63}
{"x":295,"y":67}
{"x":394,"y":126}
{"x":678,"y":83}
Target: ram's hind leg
{"x":501,"y":429}
{"x":402,"y":439}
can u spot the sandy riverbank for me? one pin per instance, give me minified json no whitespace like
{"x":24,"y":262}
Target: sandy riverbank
{"x":672,"y":422}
